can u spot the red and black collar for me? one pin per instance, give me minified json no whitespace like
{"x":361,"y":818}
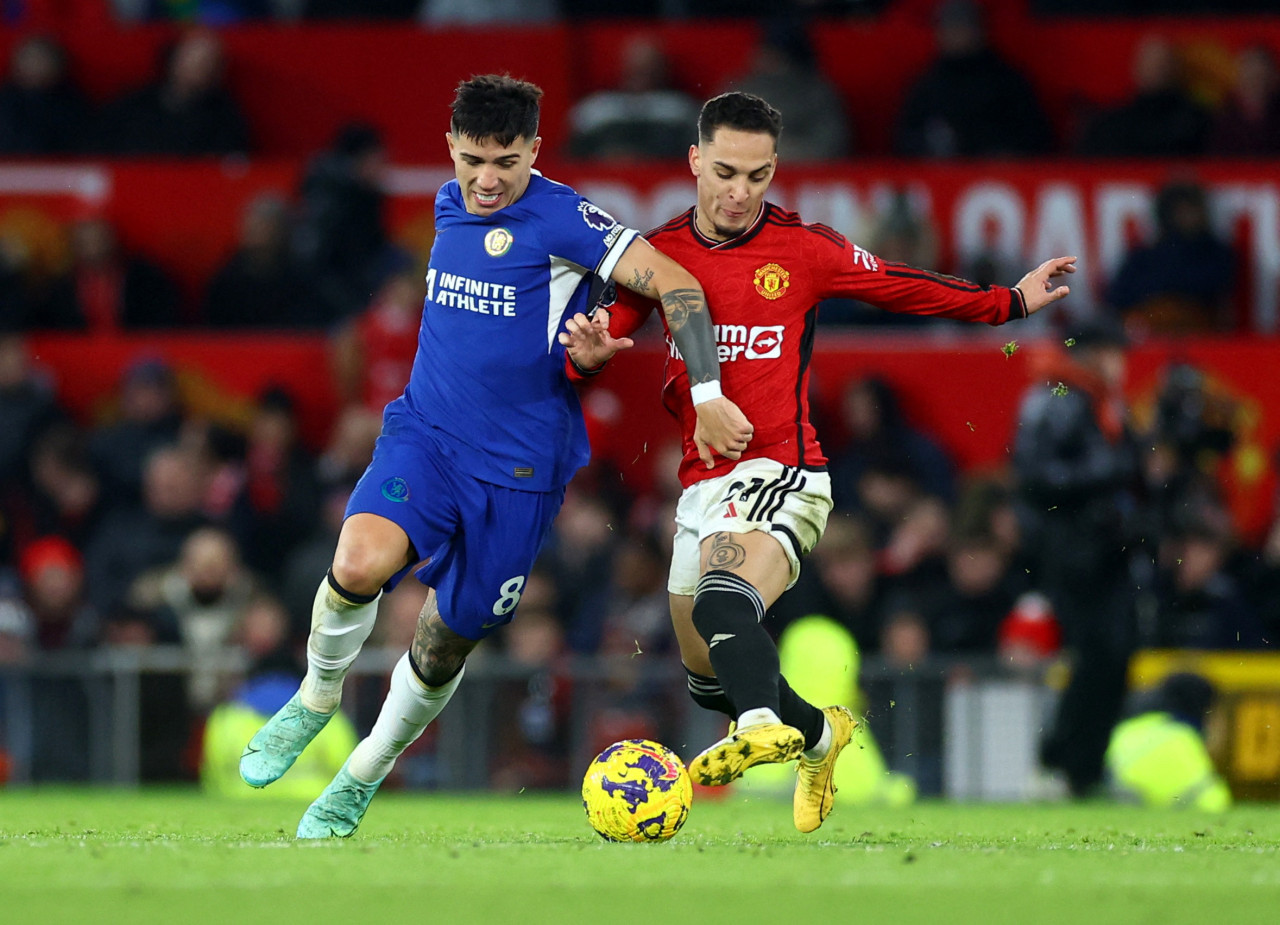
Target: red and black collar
{"x":712,"y":244}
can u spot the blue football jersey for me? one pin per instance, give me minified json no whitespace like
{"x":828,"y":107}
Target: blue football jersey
{"x":489,"y":373}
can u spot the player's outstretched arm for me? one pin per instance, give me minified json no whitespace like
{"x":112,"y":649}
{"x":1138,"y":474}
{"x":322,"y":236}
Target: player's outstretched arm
{"x":1037,"y":286}
{"x":721,"y":424}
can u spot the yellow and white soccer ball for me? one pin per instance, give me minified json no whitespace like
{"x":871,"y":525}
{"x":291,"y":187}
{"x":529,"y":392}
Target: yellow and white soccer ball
{"x":637,"y":790}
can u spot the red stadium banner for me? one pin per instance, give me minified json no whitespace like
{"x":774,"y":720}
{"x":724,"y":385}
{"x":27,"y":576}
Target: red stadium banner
{"x":1018,"y":213}
{"x":186,"y":216}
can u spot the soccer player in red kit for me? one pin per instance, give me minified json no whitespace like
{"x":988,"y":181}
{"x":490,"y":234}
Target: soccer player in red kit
{"x":742,"y":526}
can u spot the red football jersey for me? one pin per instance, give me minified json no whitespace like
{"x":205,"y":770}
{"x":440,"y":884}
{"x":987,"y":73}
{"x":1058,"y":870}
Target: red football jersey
{"x":763,"y":288}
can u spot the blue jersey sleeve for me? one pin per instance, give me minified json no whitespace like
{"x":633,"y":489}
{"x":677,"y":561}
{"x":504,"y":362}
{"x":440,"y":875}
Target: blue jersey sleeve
{"x":579,"y":231}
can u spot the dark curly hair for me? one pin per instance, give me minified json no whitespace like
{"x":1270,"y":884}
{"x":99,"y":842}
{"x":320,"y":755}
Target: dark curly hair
{"x":745,"y":112}
{"x":496,"y":106}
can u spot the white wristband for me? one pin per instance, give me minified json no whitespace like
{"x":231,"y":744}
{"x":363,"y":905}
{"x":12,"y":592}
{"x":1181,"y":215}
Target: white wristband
{"x":704,"y":391}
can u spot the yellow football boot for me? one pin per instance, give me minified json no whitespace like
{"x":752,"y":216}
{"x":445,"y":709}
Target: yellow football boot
{"x":763,"y":743}
{"x":815,"y":787}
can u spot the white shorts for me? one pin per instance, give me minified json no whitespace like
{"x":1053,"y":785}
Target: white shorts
{"x":789,"y":504}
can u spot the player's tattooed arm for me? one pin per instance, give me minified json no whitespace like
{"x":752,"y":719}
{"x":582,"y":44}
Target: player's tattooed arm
{"x":642,"y":282}
{"x":437,"y":651}
{"x":694,"y":336}
{"x":647,"y":271}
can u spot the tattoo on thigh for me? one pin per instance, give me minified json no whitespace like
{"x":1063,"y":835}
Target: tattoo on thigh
{"x":437,"y":650}
{"x":726,"y":552}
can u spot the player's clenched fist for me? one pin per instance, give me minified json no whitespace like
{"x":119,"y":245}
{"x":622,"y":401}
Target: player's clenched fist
{"x":721,"y":427}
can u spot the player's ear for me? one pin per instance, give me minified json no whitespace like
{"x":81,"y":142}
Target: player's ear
{"x":695,"y":160}
{"x":534,"y":149}
{"x":448,"y":137}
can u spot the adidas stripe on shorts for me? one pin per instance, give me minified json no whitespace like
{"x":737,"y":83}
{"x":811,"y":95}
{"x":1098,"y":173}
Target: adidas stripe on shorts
{"x":788,"y":503}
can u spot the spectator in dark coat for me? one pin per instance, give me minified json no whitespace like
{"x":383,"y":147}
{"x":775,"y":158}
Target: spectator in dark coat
{"x":131,"y":540}
{"x":1181,"y":281}
{"x":187,"y":112}
{"x":840,"y":581}
{"x":1199,"y":603}
{"x":1248,"y":124}
{"x":150,"y":417}
{"x":261,"y":285}
{"x":1076,"y":463}
{"x":1160,"y":120}
{"x":108,"y":289}
{"x":970,"y":102}
{"x":65,"y":495}
{"x":342,"y":240}
{"x":277,"y":505}
{"x":27,"y":407}
{"x":980,"y":592}
{"x":878,"y":434}
{"x":784,"y":70}
{"x":41,"y":111}
{"x":643,"y":117}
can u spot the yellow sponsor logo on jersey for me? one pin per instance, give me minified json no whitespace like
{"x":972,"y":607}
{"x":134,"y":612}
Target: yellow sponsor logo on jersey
{"x":772,"y":281}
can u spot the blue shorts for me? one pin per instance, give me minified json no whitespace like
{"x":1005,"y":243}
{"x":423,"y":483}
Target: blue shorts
{"x":479,"y":540}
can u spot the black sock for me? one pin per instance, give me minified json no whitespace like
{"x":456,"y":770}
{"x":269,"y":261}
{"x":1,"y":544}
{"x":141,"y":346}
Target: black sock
{"x":798,"y":712}
{"x":708,"y":694}
{"x":727,"y":612}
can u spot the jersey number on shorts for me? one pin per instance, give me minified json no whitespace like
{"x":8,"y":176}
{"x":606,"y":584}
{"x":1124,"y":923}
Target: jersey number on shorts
{"x":510,"y":589}
{"x":768,"y":496}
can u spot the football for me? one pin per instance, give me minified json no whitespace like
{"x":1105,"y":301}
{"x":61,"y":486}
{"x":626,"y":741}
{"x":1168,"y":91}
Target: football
{"x":637,"y":790}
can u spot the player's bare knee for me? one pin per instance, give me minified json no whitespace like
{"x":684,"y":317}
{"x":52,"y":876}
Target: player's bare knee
{"x":361,"y":569}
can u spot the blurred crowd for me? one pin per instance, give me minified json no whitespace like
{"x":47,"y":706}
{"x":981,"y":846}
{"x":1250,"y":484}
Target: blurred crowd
{"x":310,"y":257}
{"x":157,"y":525}
{"x":969,"y":100}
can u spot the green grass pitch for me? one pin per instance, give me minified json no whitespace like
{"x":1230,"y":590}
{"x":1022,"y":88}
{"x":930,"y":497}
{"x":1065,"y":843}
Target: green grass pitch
{"x":175,"y":856}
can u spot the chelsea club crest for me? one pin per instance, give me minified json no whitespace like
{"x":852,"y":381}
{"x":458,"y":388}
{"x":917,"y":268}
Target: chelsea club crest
{"x":498,"y":242}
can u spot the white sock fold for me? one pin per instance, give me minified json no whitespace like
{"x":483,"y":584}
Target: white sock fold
{"x":757,"y":716}
{"x":819,"y":751}
{"x":339,"y":628}
{"x":410,"y":706}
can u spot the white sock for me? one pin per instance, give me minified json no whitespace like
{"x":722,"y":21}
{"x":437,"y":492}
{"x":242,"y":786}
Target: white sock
{"x":339,"y":628}
{"x":409,"y":707}
{"x":757,"y":716}
{"x":819,"y":751}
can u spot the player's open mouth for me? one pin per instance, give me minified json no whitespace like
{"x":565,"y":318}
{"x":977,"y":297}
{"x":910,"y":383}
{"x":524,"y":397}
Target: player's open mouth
{"x":487,"y":199}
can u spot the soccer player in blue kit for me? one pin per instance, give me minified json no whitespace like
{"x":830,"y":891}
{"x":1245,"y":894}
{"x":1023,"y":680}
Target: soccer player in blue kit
{"x":472,"y":463}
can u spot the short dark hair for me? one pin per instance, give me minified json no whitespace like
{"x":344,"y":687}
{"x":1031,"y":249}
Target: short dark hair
{"x":496,"y":106}
{"x":745,"y":112}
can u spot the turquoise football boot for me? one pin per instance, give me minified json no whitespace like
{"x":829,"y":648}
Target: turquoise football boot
{"x":276,"y":746}
{"x":337,"y":812}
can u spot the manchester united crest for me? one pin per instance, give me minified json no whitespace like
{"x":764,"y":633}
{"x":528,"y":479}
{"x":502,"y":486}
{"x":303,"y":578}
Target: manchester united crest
{"x":772,"y":281}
